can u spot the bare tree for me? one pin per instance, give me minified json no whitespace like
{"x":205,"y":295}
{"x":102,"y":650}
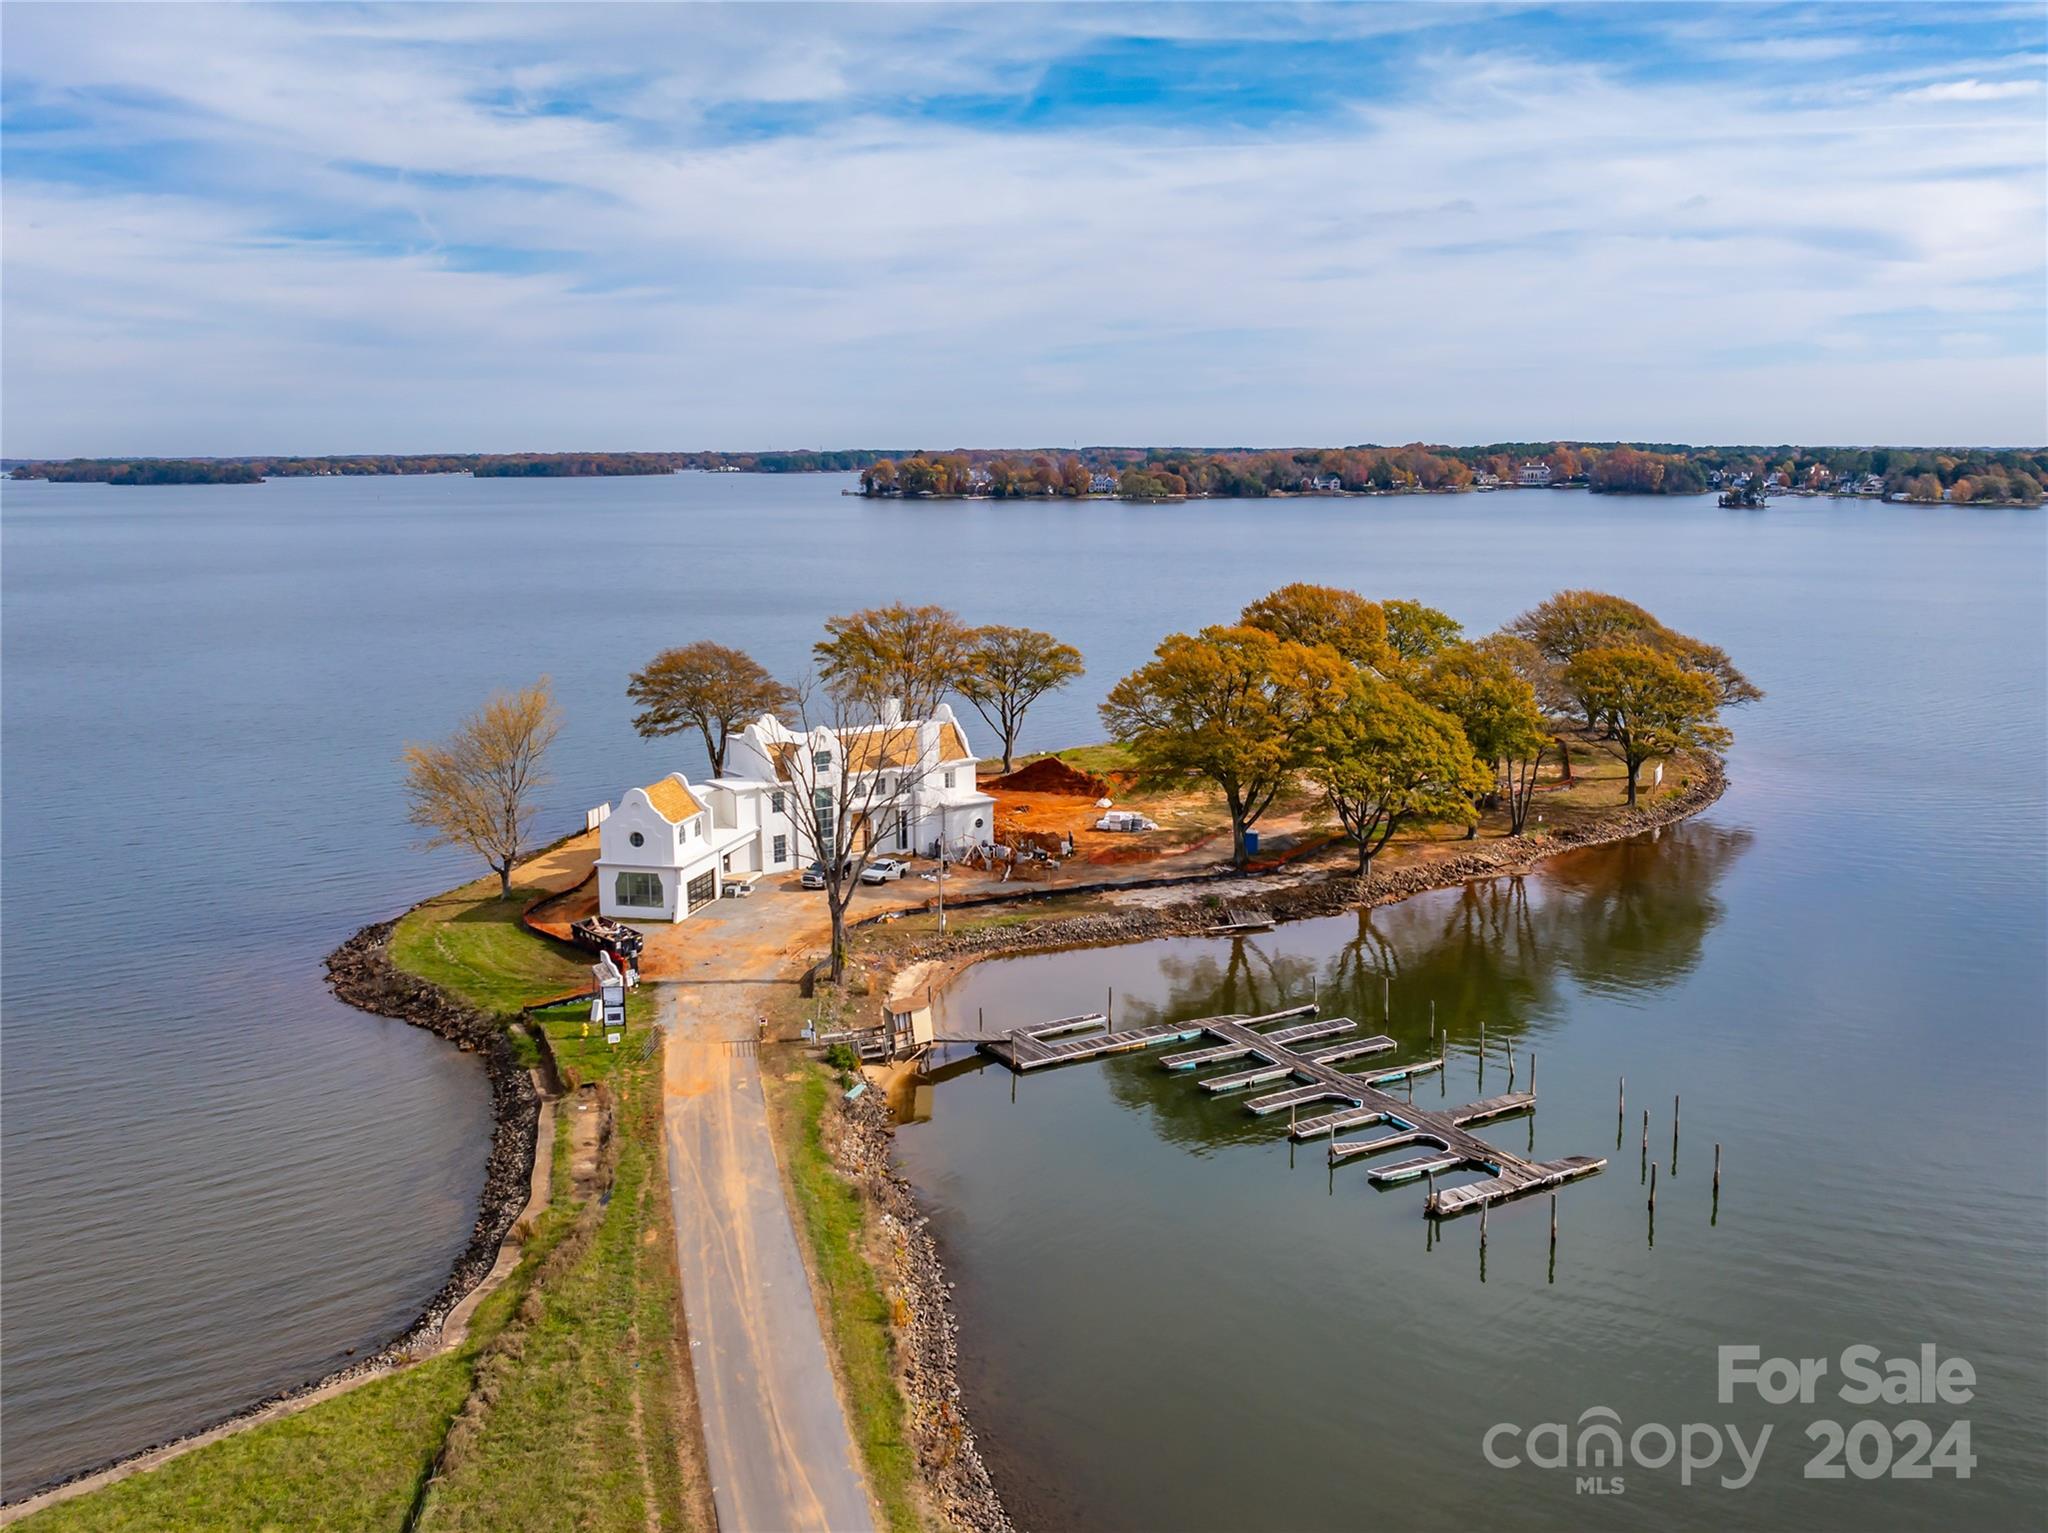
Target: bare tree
{"x":856,"y":766}
{"x":475,"y":788}
{"x":706,"y":687}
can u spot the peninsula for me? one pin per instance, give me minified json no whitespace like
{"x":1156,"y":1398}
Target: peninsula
{"x":852,"y":848}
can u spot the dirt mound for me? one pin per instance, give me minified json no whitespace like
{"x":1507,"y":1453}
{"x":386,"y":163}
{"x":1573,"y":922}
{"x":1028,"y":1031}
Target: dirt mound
{"x":1049,"y":774}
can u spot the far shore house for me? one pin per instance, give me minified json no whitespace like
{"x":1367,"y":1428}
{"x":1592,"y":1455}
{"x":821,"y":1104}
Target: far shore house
{"x":670,"y":847}
{"x":1533,"y":476}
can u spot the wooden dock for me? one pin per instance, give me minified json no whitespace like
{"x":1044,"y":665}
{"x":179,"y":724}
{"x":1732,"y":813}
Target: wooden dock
{"x":1068,"y":1041}
{"x":1360,"y":1103}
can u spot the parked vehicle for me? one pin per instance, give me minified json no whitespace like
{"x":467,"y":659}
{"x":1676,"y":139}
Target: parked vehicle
{"x":1125,"y":819}
{"x":882,"y":870}
{"x":814,"y":875}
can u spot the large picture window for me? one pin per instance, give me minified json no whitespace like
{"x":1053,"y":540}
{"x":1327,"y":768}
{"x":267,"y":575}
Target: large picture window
{"x":781,"y":850}
{"x":702,"y":889}
{"x":640,"y":891}
{"x":822,"y":807}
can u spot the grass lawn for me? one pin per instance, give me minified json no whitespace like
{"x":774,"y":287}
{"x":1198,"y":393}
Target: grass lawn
{"x":834,"y":1221}
{"x":578,"y":1420}
{"x":470,"y":942}
{"x":347,"y":1464}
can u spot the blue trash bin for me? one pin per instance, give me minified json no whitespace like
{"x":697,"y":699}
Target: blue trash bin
{"x":1251,"y":843}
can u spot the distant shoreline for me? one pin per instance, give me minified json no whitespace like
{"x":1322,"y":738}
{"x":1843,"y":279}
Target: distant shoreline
{"x":1745,"y":476}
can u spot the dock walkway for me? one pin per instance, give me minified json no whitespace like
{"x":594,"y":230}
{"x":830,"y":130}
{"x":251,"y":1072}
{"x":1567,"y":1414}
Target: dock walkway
{"x":1441,"y":1133}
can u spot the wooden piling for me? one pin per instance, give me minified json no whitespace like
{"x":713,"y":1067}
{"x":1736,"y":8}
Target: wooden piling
{"x":980,"y":1021}
{"x":1553,"y":1221}
{"x":1653,"y":1189}
{"x":1646,"y":1131}
{"x":1532,"y":1072}
{"x":1717,"y":1170}
{"x":1482,"y":1224}
{"x":1511,"y":1069}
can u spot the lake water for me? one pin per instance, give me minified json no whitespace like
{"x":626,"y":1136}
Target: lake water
{"x":1171,"y":1320}
{"x":218,"y":1180}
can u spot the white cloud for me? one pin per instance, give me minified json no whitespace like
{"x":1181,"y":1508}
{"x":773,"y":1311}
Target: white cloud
{"x":372,"y":237}
{"x":1976,"y":90}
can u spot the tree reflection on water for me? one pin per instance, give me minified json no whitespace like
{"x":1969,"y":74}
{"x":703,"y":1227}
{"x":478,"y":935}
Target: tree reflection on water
{"x":1627,"y":918}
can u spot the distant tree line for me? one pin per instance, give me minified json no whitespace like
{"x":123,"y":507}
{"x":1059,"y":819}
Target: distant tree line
{"x":1918,"y":474}
{"x":1620,"y":468}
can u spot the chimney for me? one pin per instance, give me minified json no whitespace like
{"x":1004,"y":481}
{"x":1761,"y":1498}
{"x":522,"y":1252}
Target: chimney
{"x":892,"y":710}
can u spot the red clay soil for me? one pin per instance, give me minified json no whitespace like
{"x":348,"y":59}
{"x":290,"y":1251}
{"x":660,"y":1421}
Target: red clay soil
{"x":1049,"y":774}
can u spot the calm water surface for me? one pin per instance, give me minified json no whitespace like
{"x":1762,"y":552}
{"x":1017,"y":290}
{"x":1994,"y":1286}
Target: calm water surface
{"x":218,"y":1180}
{"x":1173,"y":1321}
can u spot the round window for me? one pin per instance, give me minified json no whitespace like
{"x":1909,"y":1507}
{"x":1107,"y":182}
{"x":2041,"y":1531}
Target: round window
{"x":978,"y":822}
{"x":637,"y":839}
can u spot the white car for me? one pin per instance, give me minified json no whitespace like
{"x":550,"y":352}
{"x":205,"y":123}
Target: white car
{"x":881,"y":871}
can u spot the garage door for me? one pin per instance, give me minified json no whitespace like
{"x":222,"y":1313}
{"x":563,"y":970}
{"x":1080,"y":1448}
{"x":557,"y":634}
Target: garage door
{"x":702,"y":889}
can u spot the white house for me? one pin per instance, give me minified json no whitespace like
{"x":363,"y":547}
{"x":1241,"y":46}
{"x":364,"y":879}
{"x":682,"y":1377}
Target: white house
{"x":669,"y":847}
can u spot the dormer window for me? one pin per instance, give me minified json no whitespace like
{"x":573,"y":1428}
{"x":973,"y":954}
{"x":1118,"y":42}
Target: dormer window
{"x":821,"y":761}
{"x":949,"y":777}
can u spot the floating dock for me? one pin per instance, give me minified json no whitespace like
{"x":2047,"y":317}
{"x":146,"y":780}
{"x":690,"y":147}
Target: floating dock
{"x":1440,"y":1133}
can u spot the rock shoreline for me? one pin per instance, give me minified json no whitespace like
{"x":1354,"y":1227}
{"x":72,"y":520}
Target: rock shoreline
{"x":361,"y":973}
{"x":862,"y":1132}
{"x":859,"y":1140}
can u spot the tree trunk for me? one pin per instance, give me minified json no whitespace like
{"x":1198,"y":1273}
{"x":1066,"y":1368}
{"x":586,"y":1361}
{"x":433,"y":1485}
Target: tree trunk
{"x":505,"y":881}
{"x":1237,"y":829}
{"x":838,"y":968}
{"x":1634,"y":767}
{"x":1564,"y":756}
{"x":1009,"y":751}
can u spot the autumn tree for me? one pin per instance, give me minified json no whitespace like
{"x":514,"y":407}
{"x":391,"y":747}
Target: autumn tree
{"x":706,"y":687}
{"x":1650,"y":703}
{"x":1009,"y":669}
{"x":1486,"y":690}
{"x":915,"y":655}
{"x":1573,"y":622}
{"x":1416,"y":632}
{"x":475,"y":789}
{"x":1311,"y":614}
{"x":1229,"y":704}
{"x":1383,"y":759}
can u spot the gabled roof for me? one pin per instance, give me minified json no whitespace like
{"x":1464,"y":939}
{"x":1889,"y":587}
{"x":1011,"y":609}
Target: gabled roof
{"x":953,"y":744}
{"x":880,"y":746}
{"x":672,"y":801}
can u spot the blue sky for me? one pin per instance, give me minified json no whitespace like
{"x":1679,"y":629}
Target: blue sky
{"x":234,"y":229}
